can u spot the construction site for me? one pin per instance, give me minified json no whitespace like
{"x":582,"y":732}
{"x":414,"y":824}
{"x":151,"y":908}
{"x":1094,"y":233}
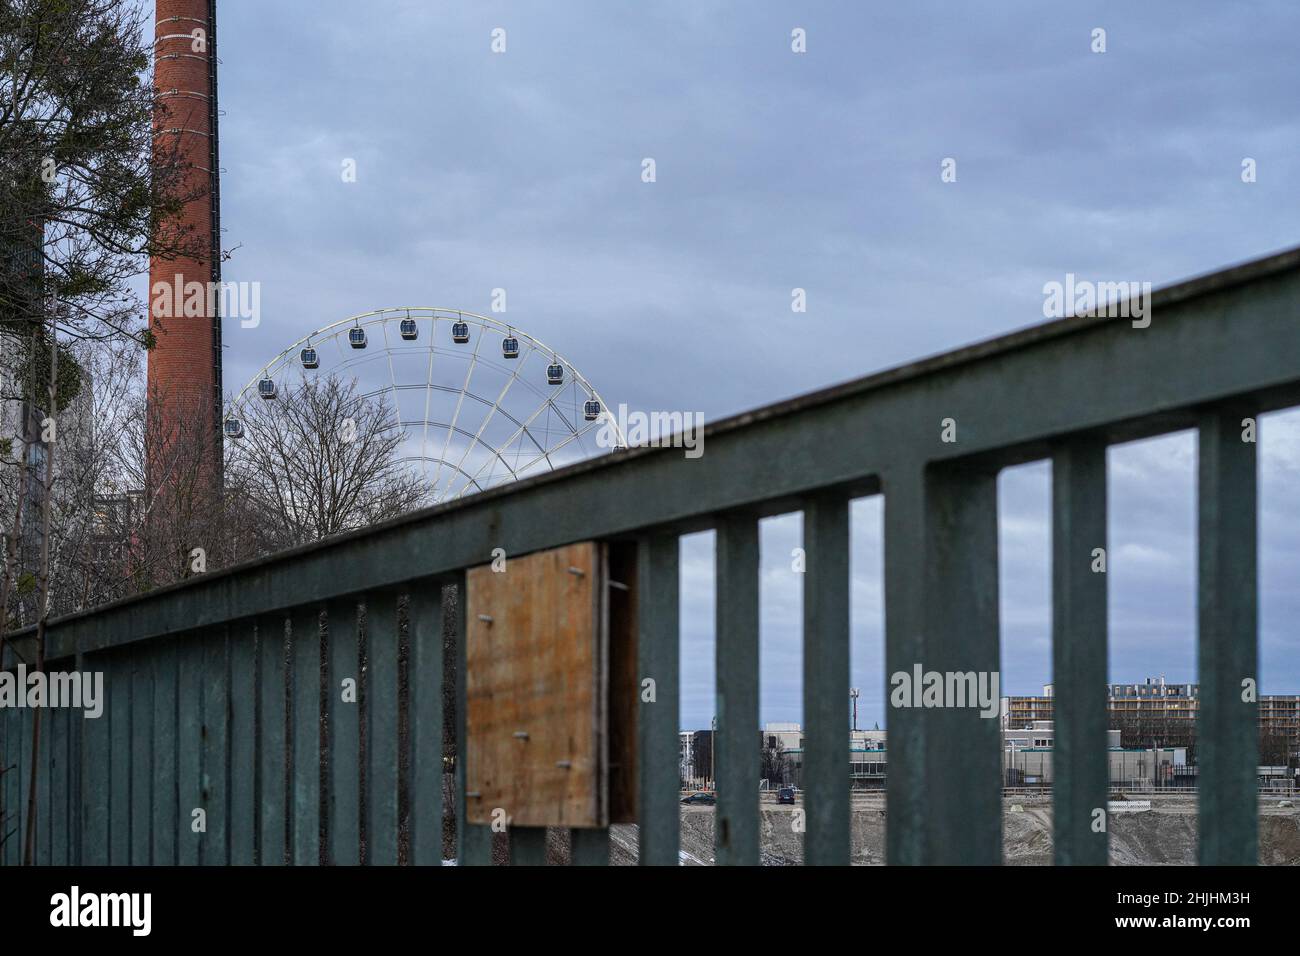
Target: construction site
{"x":1156,"y":830}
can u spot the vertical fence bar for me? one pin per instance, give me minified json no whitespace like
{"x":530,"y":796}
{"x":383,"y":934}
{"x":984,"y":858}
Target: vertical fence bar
{"x":658,"y":653}
{"x":96,"y":746}
{"x":826,"y":771}
{"x":243,"y":743}
{"x":214,"y":845}
{"x":272,"y":755}
{"x":904,"y":541}
{"x":1079,"y":761}
{"x":306,"y":736}
{"x":425,"y":687}
{"x":164,"y":783}
{"x":41,"y":854}
{"x":13,"y":781}
{"x":118,"y":665}
{"x":473,"y":841}
{"x":1228,"y":638}
{"x":344,"y":721}
{"x":8,"y":789}
{"x":4,"y":773}
{"x":65,"y":850}
{"x":60,"y":780}
{"x":76,"y":765}
{"x":962,"y":638}
{"x":189,"y":745}
{"x":143,"y":772}
{"x":589,"y":847}
{"x":528,"y":846}
{"x":381,"y":729}
{"x":17,"y":783}
{"x":14,"y":789}
{"x":24,"y":772}
{"x":738,"y":760}
{"x":941,"y":617}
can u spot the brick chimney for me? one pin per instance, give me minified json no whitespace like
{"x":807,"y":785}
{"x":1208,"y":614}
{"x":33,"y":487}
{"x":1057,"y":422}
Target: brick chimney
{"x":184,"y":377}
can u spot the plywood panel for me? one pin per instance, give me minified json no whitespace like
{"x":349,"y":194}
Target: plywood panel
{"x":535,"y":690}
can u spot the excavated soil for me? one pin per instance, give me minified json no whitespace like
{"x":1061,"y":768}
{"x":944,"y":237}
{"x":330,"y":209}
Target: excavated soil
{"x":1165,"y":834}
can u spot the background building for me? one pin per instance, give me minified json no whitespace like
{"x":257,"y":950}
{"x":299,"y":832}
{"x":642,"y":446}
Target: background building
{"x":1027,"y":760}
{"x":1156,"y":713}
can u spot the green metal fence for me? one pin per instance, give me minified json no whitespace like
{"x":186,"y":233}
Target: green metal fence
{"x":215,"y":686}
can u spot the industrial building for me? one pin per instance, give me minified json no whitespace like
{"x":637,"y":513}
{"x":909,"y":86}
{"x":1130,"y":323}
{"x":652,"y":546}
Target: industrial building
{"x":782,"y":744}
{"x":1027,"y":760}
{"x":1151,"y":741}
{"x":1159,"y":713}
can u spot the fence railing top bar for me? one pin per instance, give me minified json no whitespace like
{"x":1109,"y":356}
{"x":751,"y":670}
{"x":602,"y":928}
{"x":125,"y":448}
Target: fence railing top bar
{"x":1013,"y":390}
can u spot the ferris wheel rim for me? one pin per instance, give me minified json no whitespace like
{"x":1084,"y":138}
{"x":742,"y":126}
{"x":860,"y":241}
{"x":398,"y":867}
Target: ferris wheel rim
{"x":384,"y":348}
{"x":381,"y":316}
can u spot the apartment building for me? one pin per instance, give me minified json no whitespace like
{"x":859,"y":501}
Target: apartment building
{"x":1158,"y":709}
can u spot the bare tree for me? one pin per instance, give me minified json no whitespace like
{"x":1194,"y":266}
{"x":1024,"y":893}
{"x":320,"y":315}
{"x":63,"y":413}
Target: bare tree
{"x":318,"y":460}
{"x":1275,"y":748}
{"x":89,"y":533}
{"x":103,"y":544}
{"x":284,"y":486}
{"x":160,"y":506}
{"x":775,"y":765}
{"x":49,"y":437}
{"x":702,"y":754}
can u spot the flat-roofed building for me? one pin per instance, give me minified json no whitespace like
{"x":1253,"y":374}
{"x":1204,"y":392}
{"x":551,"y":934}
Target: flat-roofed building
{"x":1158,"y":713}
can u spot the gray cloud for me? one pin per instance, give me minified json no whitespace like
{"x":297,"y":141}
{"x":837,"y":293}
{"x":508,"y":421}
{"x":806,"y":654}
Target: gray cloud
{"x":774,"y":171}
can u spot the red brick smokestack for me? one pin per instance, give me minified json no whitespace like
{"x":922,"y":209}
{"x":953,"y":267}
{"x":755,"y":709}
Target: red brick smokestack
{"x":184,"y":377}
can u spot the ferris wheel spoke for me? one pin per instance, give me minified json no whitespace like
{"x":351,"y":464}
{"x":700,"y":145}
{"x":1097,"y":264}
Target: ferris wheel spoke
{"x":524,"y":430}
{"x":428,"y":395}
{"x":460,"y":400}
{"x":496,"y":452}
{"x":392,"y":376}
{"x":478,"y":438}
{"x":558,"y":447}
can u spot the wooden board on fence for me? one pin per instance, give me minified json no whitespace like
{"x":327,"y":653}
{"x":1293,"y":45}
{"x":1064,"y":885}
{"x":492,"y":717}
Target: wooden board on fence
{"x":535,"y":677}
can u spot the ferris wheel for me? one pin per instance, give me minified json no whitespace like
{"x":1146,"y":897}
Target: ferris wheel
{"x":480,"y":403}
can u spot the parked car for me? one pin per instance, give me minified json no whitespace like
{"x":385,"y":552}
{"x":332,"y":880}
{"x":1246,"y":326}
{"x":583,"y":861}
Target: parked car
{"x":702,"y":797}
{"x":785,"y":795}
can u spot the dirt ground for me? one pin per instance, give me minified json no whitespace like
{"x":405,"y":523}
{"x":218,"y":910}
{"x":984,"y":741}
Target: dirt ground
{"x":1163,"y":834}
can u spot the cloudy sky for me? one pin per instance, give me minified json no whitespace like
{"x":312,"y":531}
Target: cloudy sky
{"x":774,"y":170}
